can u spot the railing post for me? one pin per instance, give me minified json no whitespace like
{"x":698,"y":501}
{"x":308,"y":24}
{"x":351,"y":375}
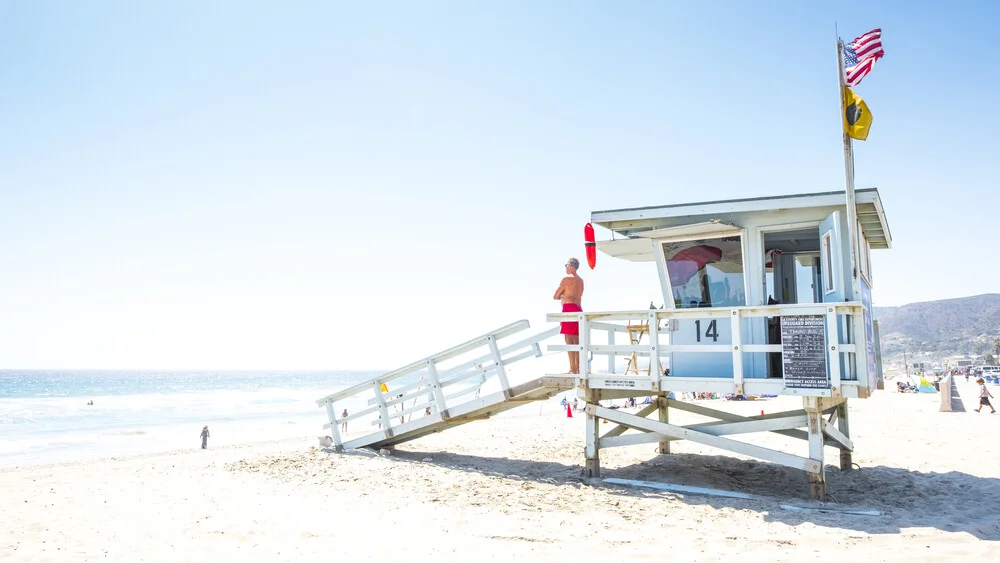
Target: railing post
{"x":334,"y":426}
{"x":833,"y":349}
{"x":735,"y":320}
{"x":501,"y":372}
{"x":611,"y":356}
{"x":584,"y":347}
{"x":439,"y":400}
{"x":654,"y":345}
{"x":861,"y":347}
{"x":382,"y":408}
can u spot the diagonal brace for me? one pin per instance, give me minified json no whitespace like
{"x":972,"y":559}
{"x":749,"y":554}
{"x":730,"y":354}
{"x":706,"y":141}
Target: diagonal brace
{"x":681,"y":433}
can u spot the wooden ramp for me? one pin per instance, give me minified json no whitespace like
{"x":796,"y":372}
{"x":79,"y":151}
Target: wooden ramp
{"x":440,"y":391}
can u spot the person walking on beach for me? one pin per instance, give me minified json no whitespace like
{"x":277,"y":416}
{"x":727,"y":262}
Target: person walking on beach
{"x":570,"y":293}
{"x":343,"y":427}
{"x":984,"y":396}
{"x":204,"y":437}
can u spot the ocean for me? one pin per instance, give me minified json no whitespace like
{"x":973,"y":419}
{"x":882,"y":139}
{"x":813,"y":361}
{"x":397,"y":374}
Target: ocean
{"x":45,"y":416}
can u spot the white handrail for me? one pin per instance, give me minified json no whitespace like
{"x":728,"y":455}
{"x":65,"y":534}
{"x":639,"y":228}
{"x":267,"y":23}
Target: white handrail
{"x":490,"y":358}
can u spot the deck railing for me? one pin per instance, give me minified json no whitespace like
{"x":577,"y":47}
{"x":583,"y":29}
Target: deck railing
{"x":445,"y":379}
{"x":845,"y":335}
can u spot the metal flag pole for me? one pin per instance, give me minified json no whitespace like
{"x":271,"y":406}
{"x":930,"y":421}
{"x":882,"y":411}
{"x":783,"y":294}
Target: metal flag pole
{"x":852,"y":212}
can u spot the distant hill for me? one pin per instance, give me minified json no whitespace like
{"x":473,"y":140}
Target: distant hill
{"x":945,"y":327}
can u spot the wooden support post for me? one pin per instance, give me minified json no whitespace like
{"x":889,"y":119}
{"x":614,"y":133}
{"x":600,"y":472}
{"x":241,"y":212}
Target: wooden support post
{"x":846,"y":462}
{"x":664,"y":411}
{"x":817,"y":479}
{"x":592,"y":467}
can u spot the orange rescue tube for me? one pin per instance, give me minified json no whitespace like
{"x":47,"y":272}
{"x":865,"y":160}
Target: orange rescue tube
{"x":591,"y":246}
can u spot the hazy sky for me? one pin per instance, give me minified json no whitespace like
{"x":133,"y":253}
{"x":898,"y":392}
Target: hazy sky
{"x":339,"y":185}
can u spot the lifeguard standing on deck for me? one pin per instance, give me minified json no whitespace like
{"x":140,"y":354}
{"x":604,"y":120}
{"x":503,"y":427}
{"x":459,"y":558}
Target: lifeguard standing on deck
{"x":570,"y":292}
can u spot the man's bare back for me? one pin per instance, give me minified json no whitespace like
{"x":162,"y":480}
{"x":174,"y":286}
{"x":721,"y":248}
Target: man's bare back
{"x":570,"y":290}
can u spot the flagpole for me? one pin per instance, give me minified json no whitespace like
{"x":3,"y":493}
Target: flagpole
{"x":852,"y":212}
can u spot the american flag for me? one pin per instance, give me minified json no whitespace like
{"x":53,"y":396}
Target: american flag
{"x":860,"y":56}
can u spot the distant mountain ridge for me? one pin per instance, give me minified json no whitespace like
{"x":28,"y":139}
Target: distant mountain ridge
{"x":943,"y":327}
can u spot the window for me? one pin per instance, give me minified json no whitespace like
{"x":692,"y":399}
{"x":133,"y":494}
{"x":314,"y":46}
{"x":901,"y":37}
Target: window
{"x":864,"y":256}
{"x":828,"y":277}
{"x":706,"y":273}
{"x":806,"y":266}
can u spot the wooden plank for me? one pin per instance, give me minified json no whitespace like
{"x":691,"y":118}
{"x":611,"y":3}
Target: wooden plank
{"x":643,"y":412}
{"x":680,"y":488}
{"x":816,"y":475}
{"x":641,"y":383}
{"x":730,"y":417}
{"x":838,"y":436}
{"x":833,"y":348}
{"x":712,"y":428}
{"x":737,"y":353}
{"x":591,"y":449}
{"x":630,"y":440}
{"x":834,"y":510}
{"x":679,"y":432}
{"x":762,"y":347}
{"x":663,"y":413}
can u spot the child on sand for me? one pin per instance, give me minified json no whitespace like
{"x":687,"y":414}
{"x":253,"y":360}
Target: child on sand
{"x":984,"y":396}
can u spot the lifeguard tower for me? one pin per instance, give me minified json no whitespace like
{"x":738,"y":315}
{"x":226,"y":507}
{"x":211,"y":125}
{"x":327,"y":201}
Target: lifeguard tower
{"x":763,"y":296}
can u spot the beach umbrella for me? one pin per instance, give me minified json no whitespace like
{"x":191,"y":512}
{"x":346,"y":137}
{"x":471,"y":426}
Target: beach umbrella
{"x":686,"y":262}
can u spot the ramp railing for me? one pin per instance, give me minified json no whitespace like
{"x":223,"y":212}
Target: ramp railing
{"x":421,"y":393}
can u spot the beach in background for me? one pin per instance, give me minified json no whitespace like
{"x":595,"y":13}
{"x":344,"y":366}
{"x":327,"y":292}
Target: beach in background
{"x":511,"y":487}
{"x":45,"y":416}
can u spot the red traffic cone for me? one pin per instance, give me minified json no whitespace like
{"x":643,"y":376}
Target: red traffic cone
{"x":569,"y":411}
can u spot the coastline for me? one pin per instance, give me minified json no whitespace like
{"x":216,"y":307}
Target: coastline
{"x":511,"y":487}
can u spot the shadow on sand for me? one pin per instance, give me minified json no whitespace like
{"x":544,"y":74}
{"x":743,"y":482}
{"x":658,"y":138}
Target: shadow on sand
{"x":953,"y":502}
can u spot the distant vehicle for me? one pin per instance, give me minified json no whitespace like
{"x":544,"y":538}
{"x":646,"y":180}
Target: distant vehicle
{"x":991,"y":371}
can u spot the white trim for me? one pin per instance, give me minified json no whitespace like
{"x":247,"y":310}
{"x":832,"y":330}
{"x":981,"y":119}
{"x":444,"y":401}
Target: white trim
{"x":661,"y":260}
{"x":826,"y":262}
{"x":696,"y":231}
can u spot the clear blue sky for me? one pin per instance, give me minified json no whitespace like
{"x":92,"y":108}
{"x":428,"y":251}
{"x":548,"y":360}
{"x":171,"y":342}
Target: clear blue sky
{"x":310,"y":185}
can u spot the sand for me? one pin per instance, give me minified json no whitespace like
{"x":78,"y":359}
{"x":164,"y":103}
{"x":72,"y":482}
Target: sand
{"x":511,"y":487}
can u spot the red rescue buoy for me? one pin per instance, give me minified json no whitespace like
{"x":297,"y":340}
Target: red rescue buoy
{"x":588,"y":242}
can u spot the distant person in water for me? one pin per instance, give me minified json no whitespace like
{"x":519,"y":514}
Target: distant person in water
{"x":570,"y":293}
{"x":204,"y":437}
{"x":343,"y":427}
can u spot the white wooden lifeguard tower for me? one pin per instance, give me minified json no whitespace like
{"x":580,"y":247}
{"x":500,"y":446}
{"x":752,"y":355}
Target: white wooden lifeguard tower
{"x":763,"y":296}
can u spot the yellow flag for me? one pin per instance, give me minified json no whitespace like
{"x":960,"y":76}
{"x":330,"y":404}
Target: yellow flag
{"x":384,"y":388}
{"x":857,"y":118}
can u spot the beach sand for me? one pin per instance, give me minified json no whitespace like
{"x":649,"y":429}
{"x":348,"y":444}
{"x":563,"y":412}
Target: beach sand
{"x":511,"y":487}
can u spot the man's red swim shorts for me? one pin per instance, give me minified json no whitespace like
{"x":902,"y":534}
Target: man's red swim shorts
{"x":572,"y":327}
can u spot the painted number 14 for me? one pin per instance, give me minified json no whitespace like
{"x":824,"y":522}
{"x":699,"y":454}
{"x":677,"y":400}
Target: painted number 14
{"x":711,"y":332}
